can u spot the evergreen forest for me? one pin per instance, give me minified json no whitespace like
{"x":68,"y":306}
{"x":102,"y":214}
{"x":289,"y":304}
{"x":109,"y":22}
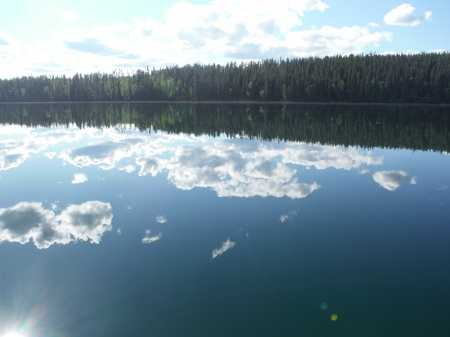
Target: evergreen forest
{"x":372,"y":78}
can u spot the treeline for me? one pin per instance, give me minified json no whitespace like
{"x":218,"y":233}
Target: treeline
{"x":421,"y":78}
{"x":417,"y":128}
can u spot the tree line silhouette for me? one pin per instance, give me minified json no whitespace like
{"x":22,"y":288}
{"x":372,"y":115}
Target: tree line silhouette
{"x":419,"y":78}
{"x":412,"y":127}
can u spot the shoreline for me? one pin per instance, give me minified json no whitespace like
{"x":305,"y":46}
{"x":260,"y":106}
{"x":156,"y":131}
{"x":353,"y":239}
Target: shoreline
{"x":237,"y":102}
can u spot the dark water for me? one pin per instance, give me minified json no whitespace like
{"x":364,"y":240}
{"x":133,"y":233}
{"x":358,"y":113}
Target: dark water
{"x":224,"y":220}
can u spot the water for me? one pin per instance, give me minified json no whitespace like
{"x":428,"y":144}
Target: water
{"x":224,"y":220}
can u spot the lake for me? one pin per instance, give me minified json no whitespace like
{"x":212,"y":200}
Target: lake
{"x":224,"y":220}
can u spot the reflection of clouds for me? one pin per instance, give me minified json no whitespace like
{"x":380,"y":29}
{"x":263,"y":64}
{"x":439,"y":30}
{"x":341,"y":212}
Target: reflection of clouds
{"x":443,"y":188}
{"x":289,"y":216}
{"x":243,"y":169}
{"x":148,"y":238}
{"x":79,"y":178}
{"x":233,"y":168}
{"x":230,"y":167}
{"x":14,"y":152}
{"x":391,"y":180}
{"x":325,"y":156}
{"x":106,"y":154}
{"x":12,"y":160}
{"x":225,"y":246}
{"x":228,"y":170}
{"x":161,"y":219}
{"x":148,"y":166}
{"x":30,"y":221}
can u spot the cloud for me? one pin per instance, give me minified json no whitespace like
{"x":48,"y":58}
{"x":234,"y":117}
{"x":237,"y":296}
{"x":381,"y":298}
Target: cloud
{"x":404,"y":15}
{"x":92,"y":45}
{"x":330,"y":40}
{"x":69,"y":16}
{"x":149,"y":239}
{"x":5,"y":39}
{"x":50,"y":155}
{"x":218,"y":31}
{"x":29,"y":221}
{"x":79,"y":178}
{"x":225,"y":246}
{"x":161,"y":219}
{"x":391,"y":180}
{"x":248,"y":30}
{"x":127,"y":168}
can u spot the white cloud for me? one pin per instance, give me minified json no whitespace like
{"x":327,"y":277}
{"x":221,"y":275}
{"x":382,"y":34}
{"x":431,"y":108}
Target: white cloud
{"x":29,"y":221}
{"x":404,"y":15}
{"x":50,"y":155}
{"x":127,"y":168}
{"x":225,"y":246}
{"x":219,"y":31}
{"x":6,"y":39}
{"x":149,"y":239}
{"x":391,"y":180}
{"x":69,"y":16}
{"x":79,"y":178}
{"x":161,"y":219}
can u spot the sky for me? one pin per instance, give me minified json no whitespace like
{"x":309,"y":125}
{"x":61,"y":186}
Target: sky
{"x":56,"y":37}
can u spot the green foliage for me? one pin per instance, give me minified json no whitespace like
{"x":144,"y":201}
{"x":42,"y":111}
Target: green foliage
{"x":421,"y":78}
{"x":393,"y":126}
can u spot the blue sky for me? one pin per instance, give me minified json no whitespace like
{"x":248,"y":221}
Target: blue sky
{"x":64,"y":37}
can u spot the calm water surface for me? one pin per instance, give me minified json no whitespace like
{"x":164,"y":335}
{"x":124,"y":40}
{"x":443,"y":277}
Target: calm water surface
{"x":208,"y":220}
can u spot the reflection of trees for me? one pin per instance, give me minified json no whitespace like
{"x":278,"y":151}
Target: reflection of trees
{"x":413,"y":127}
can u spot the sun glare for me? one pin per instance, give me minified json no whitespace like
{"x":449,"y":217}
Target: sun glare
{"x":12,"y":334}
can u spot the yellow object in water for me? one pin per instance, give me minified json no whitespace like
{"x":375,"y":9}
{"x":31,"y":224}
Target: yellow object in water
{"x":334,"y":317}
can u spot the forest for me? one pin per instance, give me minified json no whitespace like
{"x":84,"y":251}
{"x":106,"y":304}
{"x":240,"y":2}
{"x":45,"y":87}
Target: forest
{"x":372,"y":78}
{"x":425,"y":128}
